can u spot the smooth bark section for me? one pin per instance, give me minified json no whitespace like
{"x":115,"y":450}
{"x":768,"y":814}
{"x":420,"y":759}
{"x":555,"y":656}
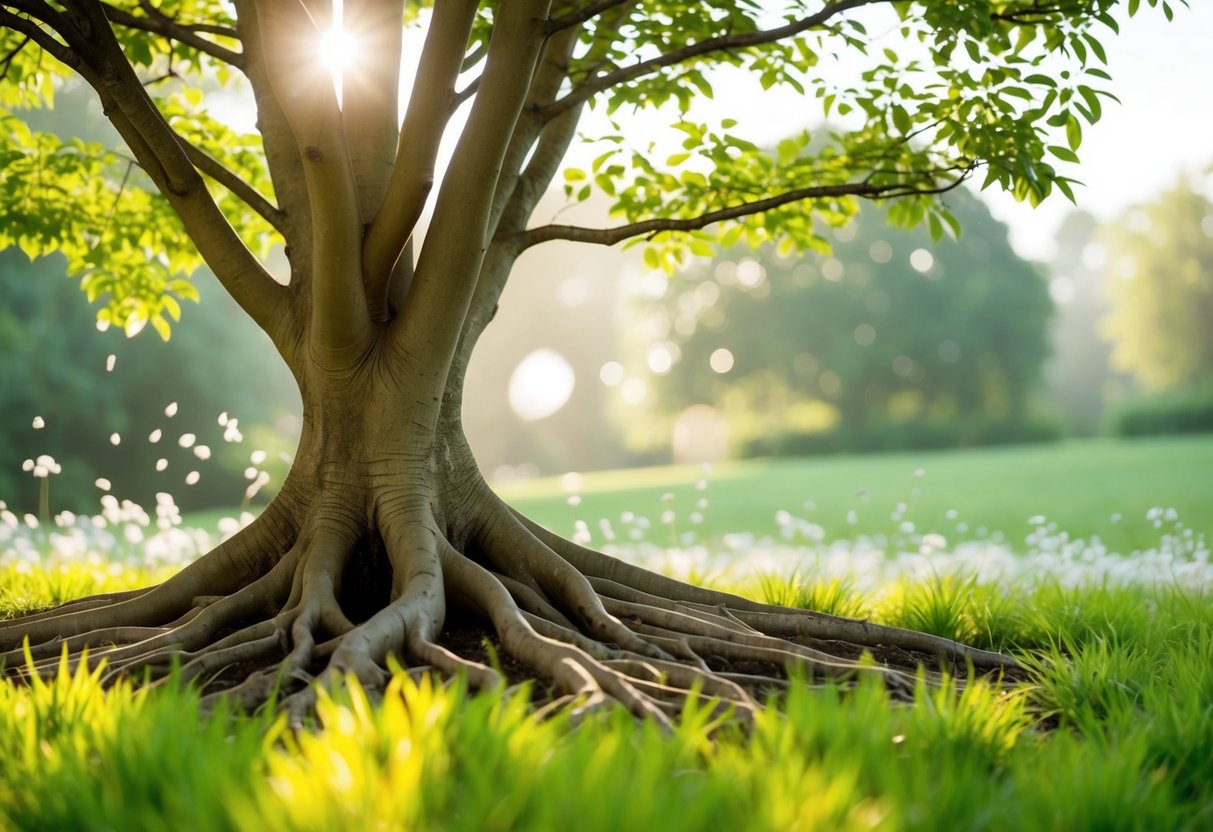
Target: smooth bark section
{"x":412,"y":174}
{"x":455,"y":246}
{"x":369,"y":107}
{"x":281,"y":152}
{"x":291,"y":40}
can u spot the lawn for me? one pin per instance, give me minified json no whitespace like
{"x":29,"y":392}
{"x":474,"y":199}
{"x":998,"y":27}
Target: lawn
{"x":1115,"y":730}
{"x":1080,"y":485}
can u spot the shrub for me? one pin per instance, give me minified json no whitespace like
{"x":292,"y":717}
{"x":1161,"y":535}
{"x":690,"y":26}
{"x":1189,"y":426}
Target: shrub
{"x":1188,"y":411}
{"x":906,"y":435}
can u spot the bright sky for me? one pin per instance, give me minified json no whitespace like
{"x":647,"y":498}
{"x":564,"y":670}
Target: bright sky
{"x":1163,"y":75}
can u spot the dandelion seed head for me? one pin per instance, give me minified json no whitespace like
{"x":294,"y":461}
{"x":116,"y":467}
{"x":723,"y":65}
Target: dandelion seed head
{"x":171,"y":410}
{"x":192,"y":478}
{"x":115,"y":439}
{"x":39,"y":423}
{"x":161,"y":464}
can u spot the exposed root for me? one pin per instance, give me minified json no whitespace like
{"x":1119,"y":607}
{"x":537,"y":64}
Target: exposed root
{"x":264,"y":617}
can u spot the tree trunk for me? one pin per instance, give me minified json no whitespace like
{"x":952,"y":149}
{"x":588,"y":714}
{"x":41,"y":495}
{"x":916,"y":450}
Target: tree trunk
{"x":384,"y":524}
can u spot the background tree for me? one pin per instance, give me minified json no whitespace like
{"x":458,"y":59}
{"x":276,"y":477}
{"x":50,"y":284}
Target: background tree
{"x":889,"y":328}
{"x":384,"y":518}
{"x":1160,"y":290}
{"x":45,"y":335}
{"x":1081,"y":382}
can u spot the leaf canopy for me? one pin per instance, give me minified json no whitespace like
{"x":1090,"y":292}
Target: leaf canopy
{"x":937,"y":92}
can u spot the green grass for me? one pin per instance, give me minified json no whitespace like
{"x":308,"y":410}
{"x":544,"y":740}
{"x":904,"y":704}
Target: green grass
{"x":1117,"y":733}
{"x":1078,"y":484}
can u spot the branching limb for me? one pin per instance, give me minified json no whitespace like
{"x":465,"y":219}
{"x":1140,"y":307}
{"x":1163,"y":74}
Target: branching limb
{"x":161,"y":24}
{"x":412,"y":174}
{"x":455,"y":246}
{"x":369,"y":96}
{"x":586,"y":13}
{"x":611,"y":236}
{"x":341,"y":325}
{"x":241,"y":189}
{"x":281,"y":151}
{"x":98,"y":58}
{"x":723,"y":43}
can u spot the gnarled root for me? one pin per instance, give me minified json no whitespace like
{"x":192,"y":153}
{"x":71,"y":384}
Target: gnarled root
{"x":289,"y":601}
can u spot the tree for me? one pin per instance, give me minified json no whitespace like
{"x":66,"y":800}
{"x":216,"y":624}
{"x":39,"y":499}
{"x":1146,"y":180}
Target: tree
{"x":383,"y":518}
{"x":57,"y":368}
{"x":1160,"y":290}
{"x":888,"y":327}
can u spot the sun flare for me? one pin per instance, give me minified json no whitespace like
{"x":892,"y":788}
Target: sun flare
{"x":338,"y":50}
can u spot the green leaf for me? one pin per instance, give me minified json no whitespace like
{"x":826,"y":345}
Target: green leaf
{"x":1073,"y":132}
{"x":1063,"y":153}
{"x":161,"y":326}
{"x":901,"y":119}
{"x":935,"y":227}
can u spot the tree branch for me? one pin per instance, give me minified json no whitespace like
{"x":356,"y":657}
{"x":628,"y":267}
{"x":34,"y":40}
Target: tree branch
{"x":341,"y":324}
{"x":455,"y":247}
{"x":424,"y":124}
{"x":369,"y":96}
{"x":161,"y":24}
{"x":588,"y":89}
{"x":29,"y":27}
{"x":610,"y":236}
{"x":585,"y":13}
{"x":281,"y":152}
{"x":242,"y":190}
{"x":95,"y":54}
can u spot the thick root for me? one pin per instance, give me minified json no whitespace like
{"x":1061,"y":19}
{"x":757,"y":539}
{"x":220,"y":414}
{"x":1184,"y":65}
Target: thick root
{"x":269,"y":613}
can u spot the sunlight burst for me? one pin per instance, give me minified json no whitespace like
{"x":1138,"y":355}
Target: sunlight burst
{"x":338,"y":50}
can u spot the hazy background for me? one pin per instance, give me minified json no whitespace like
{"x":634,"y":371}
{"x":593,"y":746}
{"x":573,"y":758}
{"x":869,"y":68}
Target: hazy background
{"x":1035,"y":325}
